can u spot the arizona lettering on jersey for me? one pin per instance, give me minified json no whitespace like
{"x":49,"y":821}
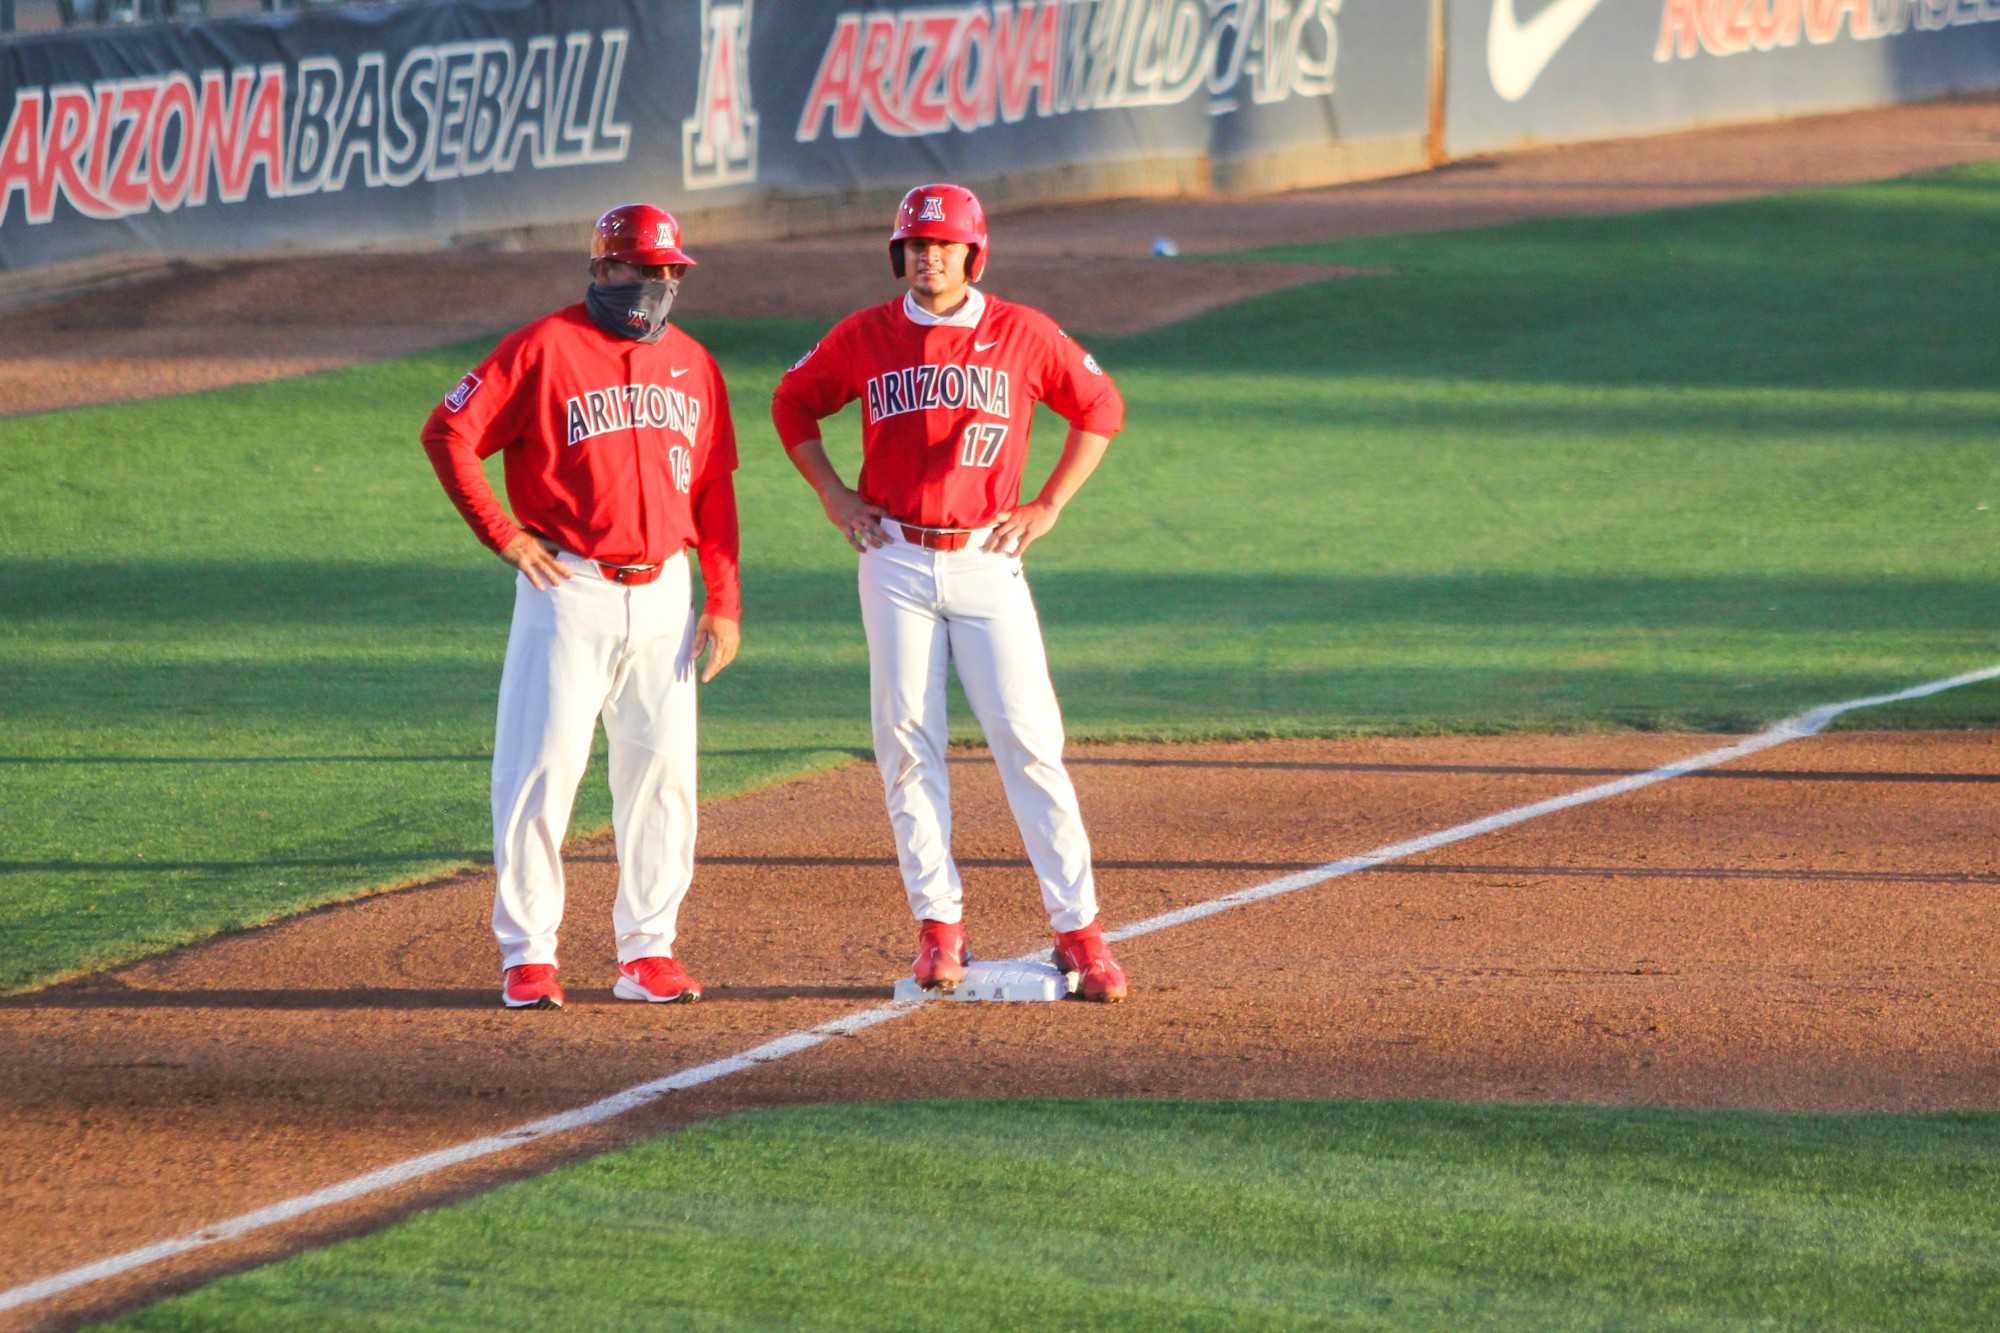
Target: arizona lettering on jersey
{"x":918,"y":388}
{"x":946,"y":408}
{"x":632,"y":407}
{"x":617,"y":450}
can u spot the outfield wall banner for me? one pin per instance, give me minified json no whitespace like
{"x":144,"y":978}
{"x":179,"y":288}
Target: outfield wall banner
{"x":1524,"y":72}
{"x":413,"y":123}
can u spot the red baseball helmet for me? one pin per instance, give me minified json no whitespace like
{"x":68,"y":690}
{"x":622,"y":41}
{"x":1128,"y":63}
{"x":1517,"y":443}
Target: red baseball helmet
{"x":638,"y":234}
{"x":941,"y":213}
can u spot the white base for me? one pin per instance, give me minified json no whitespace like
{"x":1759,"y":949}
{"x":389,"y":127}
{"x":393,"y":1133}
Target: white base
{"x":996,"y":981}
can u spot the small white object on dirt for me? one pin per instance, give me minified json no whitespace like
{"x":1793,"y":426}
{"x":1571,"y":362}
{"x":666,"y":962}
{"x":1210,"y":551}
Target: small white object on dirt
{"x":1164,"y":247}
{"x":1007,"y":981}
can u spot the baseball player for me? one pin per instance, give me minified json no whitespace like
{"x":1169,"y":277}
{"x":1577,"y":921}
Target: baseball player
{"x":948,"y":378}
{"x":619,"y":450}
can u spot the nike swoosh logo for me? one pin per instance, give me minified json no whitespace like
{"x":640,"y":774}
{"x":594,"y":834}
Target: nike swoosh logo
{"x":676,"y":374}
{"x":978,"y":346}
{"x":1517,"y":52}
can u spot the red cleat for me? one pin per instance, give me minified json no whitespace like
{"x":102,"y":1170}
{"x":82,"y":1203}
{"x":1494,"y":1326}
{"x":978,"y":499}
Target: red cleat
{"x":1084,"y":954}
{"x":657,"y":981}
{"x":941,"y":955}
{"x":531,"y":986}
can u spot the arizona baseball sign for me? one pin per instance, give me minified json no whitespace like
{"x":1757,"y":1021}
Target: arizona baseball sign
{"x":927,"y":71}
{"x":118,"y":147}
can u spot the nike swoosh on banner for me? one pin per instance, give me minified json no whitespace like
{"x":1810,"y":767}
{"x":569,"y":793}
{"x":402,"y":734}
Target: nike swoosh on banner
{"x":1517,"y":52}
{"x":978,"y":346}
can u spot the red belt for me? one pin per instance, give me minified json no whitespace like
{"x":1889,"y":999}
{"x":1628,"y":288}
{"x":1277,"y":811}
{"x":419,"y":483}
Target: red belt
{"x":632,"y":576}
{"x":933,"y":540}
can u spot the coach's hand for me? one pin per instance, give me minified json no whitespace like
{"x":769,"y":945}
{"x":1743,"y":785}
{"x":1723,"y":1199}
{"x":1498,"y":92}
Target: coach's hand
{"x":535,"y":560}
{"x":719,"y":636}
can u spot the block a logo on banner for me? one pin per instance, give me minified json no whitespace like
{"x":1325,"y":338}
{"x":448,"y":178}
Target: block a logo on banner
{"x":719,"y":141}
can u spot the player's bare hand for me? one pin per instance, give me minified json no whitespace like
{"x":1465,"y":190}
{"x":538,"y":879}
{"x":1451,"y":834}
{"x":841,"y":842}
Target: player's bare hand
{"x":858,"y":521}
{"x":1014,"y":532}
{"x":535,"y":560}
{"x":719,"y":637}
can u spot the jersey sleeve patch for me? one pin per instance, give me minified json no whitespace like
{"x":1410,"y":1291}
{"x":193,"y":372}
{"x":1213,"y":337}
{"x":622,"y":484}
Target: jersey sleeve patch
{"x":462,"y":395}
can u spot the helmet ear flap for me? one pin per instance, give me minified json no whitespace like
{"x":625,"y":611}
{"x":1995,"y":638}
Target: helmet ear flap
{"x":896,"y":257}
{"x":975,"y":262}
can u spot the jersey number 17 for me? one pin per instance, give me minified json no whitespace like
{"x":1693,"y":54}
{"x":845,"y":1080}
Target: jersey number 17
{"x":980,"y":444}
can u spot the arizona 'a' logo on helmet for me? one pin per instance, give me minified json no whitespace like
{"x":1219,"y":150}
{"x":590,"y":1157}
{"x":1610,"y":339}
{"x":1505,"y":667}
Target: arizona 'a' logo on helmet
{"x":638,"y":234}
{"x":941,"y":212}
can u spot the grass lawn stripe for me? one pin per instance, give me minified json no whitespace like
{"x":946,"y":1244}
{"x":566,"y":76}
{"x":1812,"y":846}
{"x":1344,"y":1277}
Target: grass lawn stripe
{"x":1177,"y":1215}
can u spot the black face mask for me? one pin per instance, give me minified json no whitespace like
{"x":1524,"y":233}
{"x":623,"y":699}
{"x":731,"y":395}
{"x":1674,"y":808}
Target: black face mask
{"x":636,"y":310}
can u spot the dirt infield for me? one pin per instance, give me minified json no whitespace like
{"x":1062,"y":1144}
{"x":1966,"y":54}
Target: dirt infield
{"x":1809,"y":928}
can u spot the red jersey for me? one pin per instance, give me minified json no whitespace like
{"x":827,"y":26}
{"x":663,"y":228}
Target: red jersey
{"x":618,"y":450}
{"x":946,"y":409}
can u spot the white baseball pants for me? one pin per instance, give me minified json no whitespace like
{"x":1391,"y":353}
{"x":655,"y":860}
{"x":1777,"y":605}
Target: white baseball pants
{"x":924,"y":609}
{"x":583,"y":650}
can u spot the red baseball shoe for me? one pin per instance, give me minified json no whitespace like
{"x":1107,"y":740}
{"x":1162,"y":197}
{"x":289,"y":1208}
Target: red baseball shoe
{"x":531,"y":986}
{"x":941,"y":955}
{"x":1084,"y":952}
{"x":657,"y":981}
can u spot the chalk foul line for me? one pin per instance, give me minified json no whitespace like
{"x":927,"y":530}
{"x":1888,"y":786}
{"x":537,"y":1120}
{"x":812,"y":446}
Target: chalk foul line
{"x":1806,"y":724}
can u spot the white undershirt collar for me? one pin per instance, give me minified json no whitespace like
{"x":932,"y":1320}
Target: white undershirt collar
{"x":965,"y":317}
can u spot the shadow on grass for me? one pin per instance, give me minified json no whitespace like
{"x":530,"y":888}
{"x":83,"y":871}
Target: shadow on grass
{"x":382,"y":862}
{"x":103,"y":993}
{"x":228,"y":596}
{"x":1127,"y":648}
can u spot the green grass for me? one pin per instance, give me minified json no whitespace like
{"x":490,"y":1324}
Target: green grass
{"x":1697,"y":469}
{"x":1150,"y":1215}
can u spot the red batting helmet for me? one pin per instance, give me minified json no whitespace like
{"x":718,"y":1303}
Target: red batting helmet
{"x":638,"y":234}
{"x":941,"y":213}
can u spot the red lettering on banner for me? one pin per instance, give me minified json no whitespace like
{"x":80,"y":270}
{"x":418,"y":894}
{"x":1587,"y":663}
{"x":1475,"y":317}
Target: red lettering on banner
{"x":176,"y":109}
{"x":100,"y":142}
{"x":125,"y":189}
{"x":1024,"y":57}
{"x":18,"y":156}
{"x":218,"y":135}
{"x":1732,"y":27}
{"x":883,"y":49}
{"x":1823,"y":18}
{"x":69,"y":134}
{"x":927,"y":107}
{"x":1733,"y":32}
{"x":265,"y":142}
{"x":972,"y":82}
{"x":722,"y":118}
{"x":1680,"y":30}
{"x":836,"y":87}
{"x":1776,"y":24}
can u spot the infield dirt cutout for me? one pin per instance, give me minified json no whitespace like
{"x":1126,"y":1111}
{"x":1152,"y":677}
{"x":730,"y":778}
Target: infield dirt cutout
{"x":1809,"y":928}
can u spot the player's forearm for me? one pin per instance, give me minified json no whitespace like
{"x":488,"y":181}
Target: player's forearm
{"x":717,"y":547}
{"x":464,"y":480}
{"x":1082,"y":452}
{"x":809,"y":457}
